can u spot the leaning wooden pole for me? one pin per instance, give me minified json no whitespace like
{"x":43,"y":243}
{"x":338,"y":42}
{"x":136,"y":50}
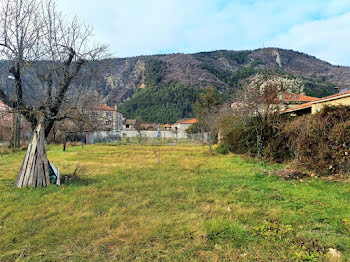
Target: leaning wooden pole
{"x":34,"y":171}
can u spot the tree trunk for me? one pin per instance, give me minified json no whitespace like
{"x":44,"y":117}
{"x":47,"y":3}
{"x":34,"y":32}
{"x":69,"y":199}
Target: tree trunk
{"x":64,"y":141}
{"x":34,"y":171}
{"x":260,"y":145}
{"x":16,"y":131}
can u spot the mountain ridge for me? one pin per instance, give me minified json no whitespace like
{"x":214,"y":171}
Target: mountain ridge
{"x":214,"y":68}
{"x":149,"y":85}
{"x":225,"y":70}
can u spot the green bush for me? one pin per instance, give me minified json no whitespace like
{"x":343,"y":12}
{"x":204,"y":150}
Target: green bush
{"x":194,"y":129}
{"x":224,"y":148}
{"x":254,"y":136}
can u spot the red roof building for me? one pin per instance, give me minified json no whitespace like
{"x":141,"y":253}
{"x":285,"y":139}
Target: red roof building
{"x":187,"y":121}
{"x":316,"y":105}
{"x":103,"y":117}
{"x":299,"y":98}
{"x":104,"y":108}
{"x":5,"y":121}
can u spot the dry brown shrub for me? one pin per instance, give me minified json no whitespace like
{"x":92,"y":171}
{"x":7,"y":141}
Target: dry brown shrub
{"x":321,"y":142}
{"x":78,"y":173}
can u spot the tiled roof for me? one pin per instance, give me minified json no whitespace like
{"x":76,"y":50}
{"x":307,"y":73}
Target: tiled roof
{"x":188,"y":121}
{"x":130,"y":121}
{"x":299,"y":98}
{"x":333,"y":96}
{"x":319,"y":100}
{"x":103,"y":107}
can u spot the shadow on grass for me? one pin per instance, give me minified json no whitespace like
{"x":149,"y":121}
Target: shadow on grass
{"x":11,"y":183}
{"x":79,"y":182}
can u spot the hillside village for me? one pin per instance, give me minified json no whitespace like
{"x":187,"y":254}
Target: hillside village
{"x":104,"y":119}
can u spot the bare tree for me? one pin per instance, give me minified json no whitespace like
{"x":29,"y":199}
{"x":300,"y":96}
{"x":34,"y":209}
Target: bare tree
{"x":266,"y":94}
{"x":138,"y":128}
{"x":44,"y":47}
{"x":207,"y":111}
{"x":262,"y":99}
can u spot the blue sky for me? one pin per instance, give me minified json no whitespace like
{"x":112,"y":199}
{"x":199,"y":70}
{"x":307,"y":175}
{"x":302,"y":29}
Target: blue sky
{"x":142,"y":27}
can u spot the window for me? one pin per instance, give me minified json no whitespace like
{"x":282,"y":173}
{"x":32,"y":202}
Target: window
{"x":94,"y":113}
{"x":108,"y":123}
{"x":108,"y":114}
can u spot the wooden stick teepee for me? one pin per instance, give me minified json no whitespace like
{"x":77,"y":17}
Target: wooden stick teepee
{"x":34,"y":171}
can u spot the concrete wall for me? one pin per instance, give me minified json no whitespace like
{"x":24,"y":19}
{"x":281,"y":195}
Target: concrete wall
{"x":340,"y":101}
{"x":181,"y":127}
{"x":112,"y":136}
{"x":102,"y":137}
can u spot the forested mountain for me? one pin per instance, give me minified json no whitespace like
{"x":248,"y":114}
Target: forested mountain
{"x":139,"y":84}
{"x":161,"y":88}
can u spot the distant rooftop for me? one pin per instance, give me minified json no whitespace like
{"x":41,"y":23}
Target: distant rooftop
{"x":299,"y":98}
{"x":187,"y":121}
{"x":332,"y":97}
{"x":319,"y":100}
{"x":104,"y":108}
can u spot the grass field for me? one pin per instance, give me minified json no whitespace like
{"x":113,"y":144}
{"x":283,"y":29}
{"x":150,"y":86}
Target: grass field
{"x":169,"y":203}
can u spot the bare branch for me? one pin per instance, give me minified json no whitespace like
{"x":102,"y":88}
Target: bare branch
{"x":42,"y":42}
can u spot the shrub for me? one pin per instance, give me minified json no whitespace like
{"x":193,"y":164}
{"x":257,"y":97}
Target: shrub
{"x":194,"y":129}
{"x":255,"y":136}
{"x":224,"y":148}
{"x":321,"y":142}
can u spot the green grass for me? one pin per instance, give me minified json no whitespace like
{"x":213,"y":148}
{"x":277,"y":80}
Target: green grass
{"x":169,"y":203}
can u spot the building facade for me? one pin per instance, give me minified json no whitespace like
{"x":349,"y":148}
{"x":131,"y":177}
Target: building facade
{"x":338,"y":99}
{"x":183,"y":124}
{"x":316,"y":106}
{"x":5,"y":122}
{"x":103,"y":117}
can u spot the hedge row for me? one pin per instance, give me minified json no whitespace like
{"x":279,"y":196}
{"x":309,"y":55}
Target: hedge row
{"x":319,"y":142}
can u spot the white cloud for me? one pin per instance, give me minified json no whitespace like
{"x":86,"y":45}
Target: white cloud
{"x":136,"y":27}
{"x":326,"y":39}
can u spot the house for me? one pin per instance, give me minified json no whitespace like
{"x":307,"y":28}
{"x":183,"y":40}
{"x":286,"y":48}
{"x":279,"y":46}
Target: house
{"x":337,"y":99}
{"x":297,"y":99}
{"x":182,"y":124}
{"x":149,"y":127}
{"x":316,"y":106}
{"x":166,"y":127}
{"x":5,"y":122}
{"x":104,"y":117}
{"x":282,"y":102}
{"x":129,"y":124}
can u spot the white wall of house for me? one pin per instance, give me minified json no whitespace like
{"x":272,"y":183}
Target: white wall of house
{"x":180,"y":127}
